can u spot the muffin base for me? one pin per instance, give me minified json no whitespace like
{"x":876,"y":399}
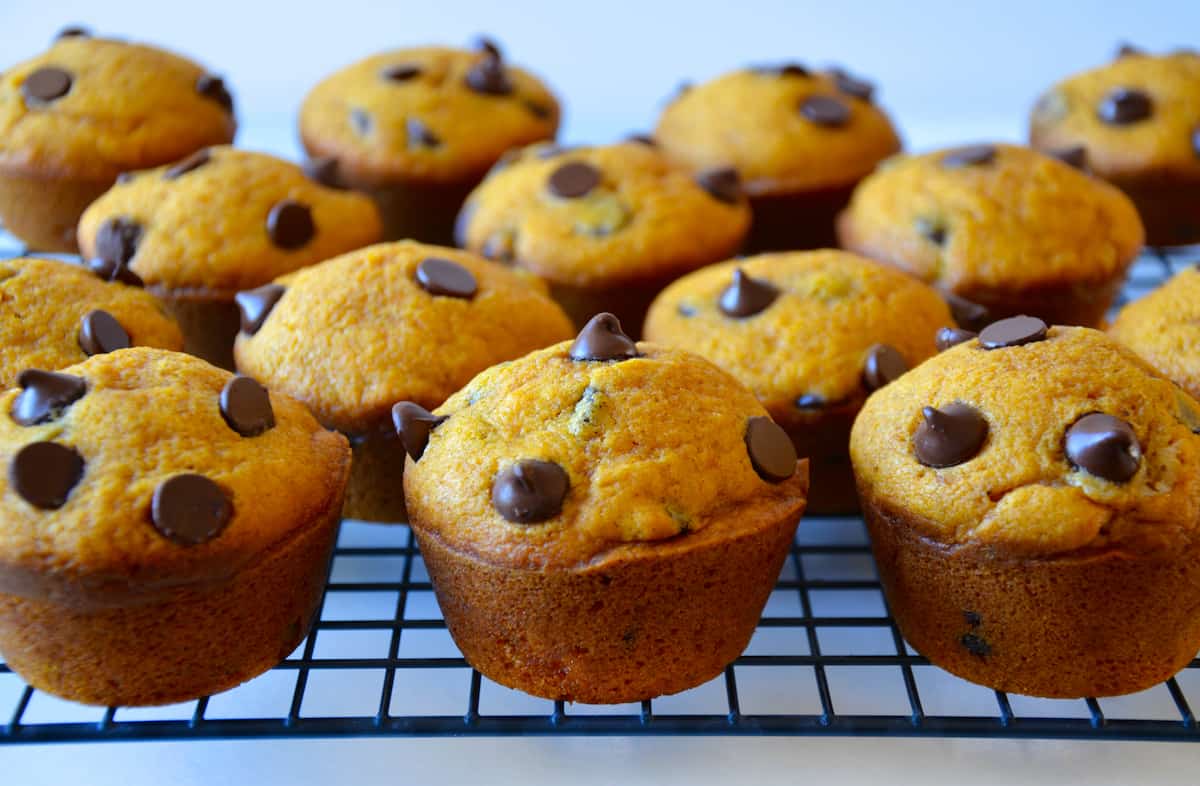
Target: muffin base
{"x":1084,"y":304}
{"x":796,"y":221}
{"x":44,"y":211}
{"x":376,"y":489}
{"x":628,"y":302}
{"x":1170,"y":211}
{"x":425,"y":212}
{"x":823,"y":437}
{"x":1079,"y":625}
{"x":209,"y":321}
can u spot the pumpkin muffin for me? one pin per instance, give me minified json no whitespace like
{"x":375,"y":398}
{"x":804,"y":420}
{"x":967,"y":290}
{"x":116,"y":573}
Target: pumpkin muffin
{"x":607,"y":227}
{"x":1136,"y":123}
{"x":55,"y":314}
{"x":800,"y":139}
{"x":219,"y":222}
{"x":352,"y":336}
{"x":1033,"y":499}
{"x":1009,"y":229}
{"x":75,"y":117}
{"x":417,"y":129}
{"x":603,"y":521}
{"x":812,"y":334}
{"x":165,"y":527}
{"x":1164,"y":329}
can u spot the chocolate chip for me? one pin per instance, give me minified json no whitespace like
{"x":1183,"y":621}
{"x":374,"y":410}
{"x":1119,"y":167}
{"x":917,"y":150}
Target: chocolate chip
{"x":413,"y":425}
{"x":290,"y":224}
{"x":488,"y":76}
{"x":967,"y":313}
{"x":782,"y":69}
{"x":951,"y":337}
{"x":361,"y":120}
{"x":1012,"y":332}
{"x":401,"y":73}
{"x":73,"y":31}
{"x":1103,"y":446}
{"x":530,"y":491}
{"x":44,"y":395}
{"x":602,"y":339}
{"x":975,"y":644}
{"x":442,"y":277}
{"x":972,"y":155}
{"x":190,"y":509}
{"x":972,"y":618}
{"x":100,"y":333}
{"x":256,"y":305}
{"x":642,"y":139}
{"x":1196,"y":141}
{"x":810,"y":401}
{"x":538,"y":109}
{"x":246,"y":406}
{"x":109,"y":270}
{"x":500,"y":247}
{"x":44,"y":473}
{"x":192,"y":162}
{"x":825,"y":111}
{"x":117,"y":240}
{"x":723,"y":184}
{"x":573,"y":180}
{"x":884,"y":364}
{"x":747,"y":296}
{"x":419,"y":135}
{"x":323,"y":170}
{"x":950,"y":435}
{"x":1124,"y":105}
{"x":851,"y":85}
{"x":771,"y":451}
{"x":1127,"y":49}
{"x":213,"y":87}
{"x":932,"y":230}
{"x":46,"y":85}
{"x":682,"y":89}
{"x":489,"y":47}
{"x":1072,"y":156}
{"x":684,"y":310}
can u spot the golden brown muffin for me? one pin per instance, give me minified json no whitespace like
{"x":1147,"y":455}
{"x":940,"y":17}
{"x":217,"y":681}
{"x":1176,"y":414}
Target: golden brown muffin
{"x":352,"y":336}
{"x":1136,"y":123}
{"x":607,"y":227}
{"x":55,"y":314}
{"x":74,"y":118}
{"x":1033,"y":499}
{"x":602,"y":521}
{"x":222,"y":221}
{"x":164,"y":527}
{"x":1009,"y":229}
{"x":1164,"y":329}
{"x":800,"y":140}
{"x":419,"y":128}
{"x":811,"y":334}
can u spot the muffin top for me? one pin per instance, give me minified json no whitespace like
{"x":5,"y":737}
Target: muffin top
{"x":992,"y":217}
{"x":1164,"y":329}
{"x":603,"y":216}
{"x":54,"y":314}
{"x":431,"y":114}
{"x":594,"y":450}
{"x":138,"y":471}
{"x":223,"y":220}
{"x":353,"y":335}
{"x":803,"y":330}
{"x":784,"y":128}
{"x":1135,"y":118}
{"x":1034,"y":442}
{"x":92,"y":108}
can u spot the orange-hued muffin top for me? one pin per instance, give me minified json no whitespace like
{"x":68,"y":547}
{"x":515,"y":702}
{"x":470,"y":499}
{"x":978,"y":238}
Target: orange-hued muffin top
{"x":100,"y":107}
{"x":1164,"y":329}
{"x":1036,"y":483}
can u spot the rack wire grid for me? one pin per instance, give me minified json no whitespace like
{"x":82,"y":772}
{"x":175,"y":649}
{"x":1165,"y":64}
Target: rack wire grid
{"x":826,"y":658}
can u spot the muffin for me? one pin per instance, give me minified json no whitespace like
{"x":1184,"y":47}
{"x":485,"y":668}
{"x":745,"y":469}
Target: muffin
{"x":602,"y":521}
{"x":55,"y":314}
{"x":219,"y":222}
{"x":352,"y":336}
{"x":606,"y":227}
{"x":1009,"y":229}
{"x":1033,"y":499}
{"x":1136,"y":123}
{"x":165,"y":527}
{"x":75,"y":117}
{"x":800,"y":139}
{"x":811,"y":333}
{"x":1164,"y":329}
{"x":417,"y":129}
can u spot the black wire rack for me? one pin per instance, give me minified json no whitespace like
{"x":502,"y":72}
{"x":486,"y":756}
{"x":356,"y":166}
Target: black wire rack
{"x":826,"y":659}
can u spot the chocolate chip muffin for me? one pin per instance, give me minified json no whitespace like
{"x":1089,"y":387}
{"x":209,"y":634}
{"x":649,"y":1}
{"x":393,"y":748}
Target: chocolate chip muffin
{"x":216,"y":223}
{"x":1164,"y":329}
{"x":602,"y":520}
{"x":812,"y":334}
{"x":165,"y":527}
{"x":1136,"y":123}
{"x":1008,"y":229}
{"x":800,"y":139}
{"x":352,"y":336}
{"x":1033,"y":499}
{"x":607,"y":227}
{"x":75,"y":117}
{"x":419,"y":128}
{"x":55,"y":314}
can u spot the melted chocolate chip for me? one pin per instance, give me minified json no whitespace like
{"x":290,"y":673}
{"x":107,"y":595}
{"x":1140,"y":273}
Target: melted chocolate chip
{"x":213,"y":88}
{"x":1103,"y":446}
{"x":246,"y":406}
{"x":602,"y":339}
{"x":402,"y":72}
{"x":44,"y":395}
{"x":530,"y":491}
{"x":290,"y":225}
{"x":488,"y":76}
{"x":825,"y":111}
{"x":723,"y":184}
{"x":117,"y":240}
{"x":975,"y":644}
{"x":190,"y":509}
{"x":489,"y":47}
{"x":884,"y":364}
{"x":771,"y":451}
{"x":1012,"y":332}
{"x":101,"y":333}
{"x":419,"y":135}
{"x":189,"y":164}
{"x":573,"y":180}
{"x":810,"y":401}
{"x":361,"y":120}
{"x":1072,"y":156}
{"x":46,"y":85}
{"x":256,"y":305}
{"x":967,"y":313}
{"x":1125,"y":105}
{"x":950,"y":435}
{"x":73,"y":31}
{"x":851,"y":85}
{"x":108,"y":270}
{"x":973,"y":155}
{"x":442,"y":277}
{"x":44,"y":473}
{"x":323,"y":170}
{"x":746,"y":296}
{"x":951,"y":337}
{"x":413,"y":425}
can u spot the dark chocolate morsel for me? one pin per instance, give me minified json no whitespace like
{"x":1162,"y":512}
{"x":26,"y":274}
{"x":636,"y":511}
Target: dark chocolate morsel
{"x":213,"y":87}
{"x":932,"y":230}
{"x":361,"y":120}
{"x":419,"y":135}
{"x":442,"y":277}
{"x":1072,"y":156}
{"x":108,"y":270}
{"x":951,"y":337}
{"x":117,"y":239}
{"x":489,"y":47}
{"x":100,"y":333}
{"x":771,"y":451}
{"x":488,"y":76}
{"x":73,"y":31}
{"x":44,"y":473}
{"x":413,"y":425}
{"x":1104,"y":446}
{"x":401,"y":72}
{"x":1012,"y":332}
{"x":246,"y":406}
{"x":1125,"y":105}
{"x":45,"y":85}
{"x":782,"y":69}
{"x":973,"y":155}
{"x":573,"y":180}
{"x":950,"y":435}
{"x":746,"y":296}
{"x":723,"y":184}
{"x":1127,"y":49}
{"x":44,"y":395}
{"x":290,"y":224}
{"x":323,"y":170}
{"x":530,"y":491}
{"x":190,"y":509}
{"x":972,"y":618}
{"x":1196,"y":141}
{"x":975,"y":644}
{"x":967,"y":313}
{"x":884,"y":364}
{"x":256,"y":304}
{"x":852,"y":85}
{"x":825,"y":111}
{"x":603,"y":339}
{"x":642,"y":139}
{"x":538,"y":109}
{"x":192,"y":162}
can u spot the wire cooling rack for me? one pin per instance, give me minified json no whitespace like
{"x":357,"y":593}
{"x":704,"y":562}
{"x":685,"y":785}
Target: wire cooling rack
{"x":827,"y":658}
